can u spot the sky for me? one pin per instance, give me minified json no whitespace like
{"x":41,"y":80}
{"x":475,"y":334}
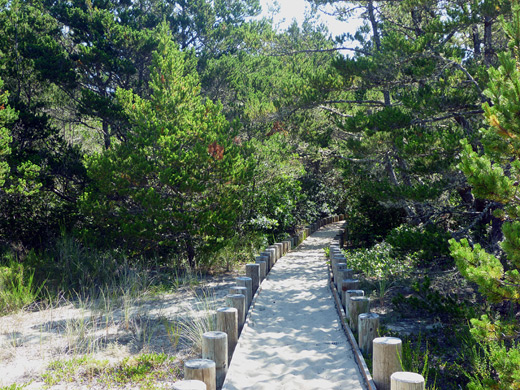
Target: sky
{"x":296,"y":9}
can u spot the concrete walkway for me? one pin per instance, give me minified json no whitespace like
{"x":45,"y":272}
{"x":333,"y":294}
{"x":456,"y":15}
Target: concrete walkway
{"x":294,"y":339}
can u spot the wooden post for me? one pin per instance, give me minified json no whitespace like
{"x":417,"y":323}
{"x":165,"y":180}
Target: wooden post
{"x":276,"y":252}
{"x":215,"y":347}
{"x":345,"y":297}
{"x":345,"y":274}
{"x":261,"y":261}
{"x":402,"y":380}
{"x":238,"y":290}
{"x":253,"y":272}
{"x":227,"y":322}
{"x":201,"y":370}
{"x":246,"y":282}
{"x":356,"y":306}
{"x":268,"y":254}
{"x":336,"y":272}
{"x":368,"y":328}
{"x":289,"y":245}
{"x":238,"y":301}
{"x":386,"y":360}
{"x":348,"y":284}
{"x":272,"y":257}
{"x":189,"y":385}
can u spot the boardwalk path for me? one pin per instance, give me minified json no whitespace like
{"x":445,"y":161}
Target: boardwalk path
{"x":294,"y":339}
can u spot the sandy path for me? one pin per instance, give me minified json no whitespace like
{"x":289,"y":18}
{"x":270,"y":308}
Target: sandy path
{"x":294,"y":339}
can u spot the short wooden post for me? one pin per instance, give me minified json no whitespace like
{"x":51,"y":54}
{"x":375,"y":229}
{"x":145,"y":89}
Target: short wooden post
{"x":238,"y":301}
{"x":345,"y":297}
{"x":272,"y":257}
{"x":268,"y":254}
{"x":201,"y":370}
{"x":189,"y":385}
{"x":238,"y":290}
{"x":339,"y":267}
{"x":348,"y":284}
{"x":253,"y":272}
{"x":402,"y":380}
{"x":347,"y":273}
{"x":215,"y":347}
{"x":386,"y":360}
{"x":356,"y":306}
{"x":261,"y":261}
{"x":289,"y":245}
{"x":276,"y":252}
{"x":281,"y":250}
{"x":246,"y":282}
{"x":368,"y":327}
{"x":227,"y":322}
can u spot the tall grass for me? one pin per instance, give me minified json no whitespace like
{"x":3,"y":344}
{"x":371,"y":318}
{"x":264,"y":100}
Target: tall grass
{"x":17,"y":288}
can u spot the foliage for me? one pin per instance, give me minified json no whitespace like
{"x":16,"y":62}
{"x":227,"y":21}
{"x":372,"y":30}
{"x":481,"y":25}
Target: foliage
{"x":379,"y":261}
{"x":425,"y":242}
{"x":415,"y":357}
{"x":427,"y":299}
{"x":494,"y":175}
{"x":145,"y":369}
{"x":17,"y":289}
{"x":172,"y":183}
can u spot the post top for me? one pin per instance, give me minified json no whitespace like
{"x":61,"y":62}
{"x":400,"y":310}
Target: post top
{"x":387,"y":340}
{"x":227,"y":309}
{"x":214,"y":334}
{"x":407,"y":377}
{"x":368,"y":315}
{"x":199,"y":363}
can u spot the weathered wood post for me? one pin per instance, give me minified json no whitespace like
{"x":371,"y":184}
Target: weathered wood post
{"x":201,"y":370}
{"x":253,"y":272}
{"x":276,"y":252}
{"x":227,"y":322}
{"x":238,"y":290}
{"x":189,"y":385}
{"x":272,"y":257}
{"x":281,"y":250}
{"x":262,"y":262}
{"x":337,"y":271}
{"x":267,"y":254}
{"x":356,"y":306}
{"x":386,"y":360}
{"x":288,"y":243}
{"x":368,"y":328}
{"x":348,"y":284}
{"x":215,"y":347}
{"x":246,"y":282}
{"x":345,"y":297}
{"x":238,"y":301}
{"x":402,"y":380}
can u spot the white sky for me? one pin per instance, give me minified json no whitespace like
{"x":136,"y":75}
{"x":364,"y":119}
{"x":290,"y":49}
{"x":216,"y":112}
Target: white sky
{"x":296,"y":9}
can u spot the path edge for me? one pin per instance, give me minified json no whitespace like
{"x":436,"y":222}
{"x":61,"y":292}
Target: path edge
{"x":360,"y":360}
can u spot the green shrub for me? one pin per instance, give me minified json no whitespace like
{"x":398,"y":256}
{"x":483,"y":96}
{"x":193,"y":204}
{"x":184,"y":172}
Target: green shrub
{"x":378,"y":261}
{"x":428,"y":242}
{"x":17,"y":289}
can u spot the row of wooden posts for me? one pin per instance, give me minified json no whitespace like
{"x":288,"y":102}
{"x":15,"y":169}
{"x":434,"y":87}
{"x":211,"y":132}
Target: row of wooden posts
{"x":209,"y":372}
{"x":386,"y":351}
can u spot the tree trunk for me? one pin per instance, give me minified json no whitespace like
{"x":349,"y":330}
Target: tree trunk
{"x":106,"y":134}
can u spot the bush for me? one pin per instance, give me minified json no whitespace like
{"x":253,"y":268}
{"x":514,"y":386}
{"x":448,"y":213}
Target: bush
{"x":378,"y":261}
{"x":16,"y":286}
{"x":428,"y":243}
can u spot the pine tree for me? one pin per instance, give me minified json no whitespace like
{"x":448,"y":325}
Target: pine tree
{"x":494,"y":175}
{"x":172,"y":184}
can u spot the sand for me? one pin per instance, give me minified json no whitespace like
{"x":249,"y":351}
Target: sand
{"x":293,"y":338}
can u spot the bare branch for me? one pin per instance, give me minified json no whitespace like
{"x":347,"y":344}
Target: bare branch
{"x":334,"y":111}
{"x":334,"y":49}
